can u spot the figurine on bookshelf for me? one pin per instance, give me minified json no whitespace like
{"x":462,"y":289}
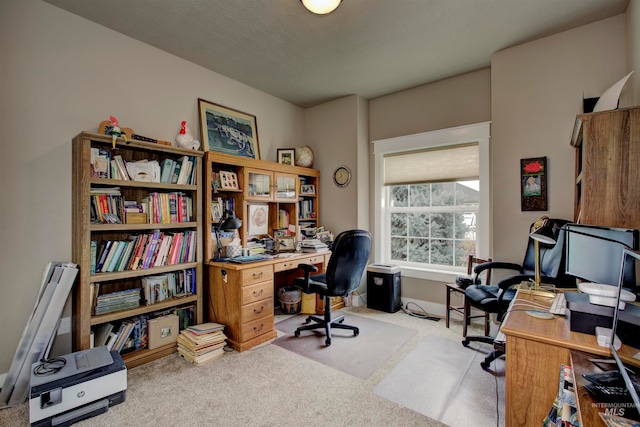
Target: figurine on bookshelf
{"x":115,"y":131}
{"x":185,"y":138}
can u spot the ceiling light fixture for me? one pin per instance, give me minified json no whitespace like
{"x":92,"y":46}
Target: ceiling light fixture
{"x":321,"y":7}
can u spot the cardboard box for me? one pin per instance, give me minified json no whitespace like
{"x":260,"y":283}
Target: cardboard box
{"x":135,"y":218}
{"x":162,"y":330}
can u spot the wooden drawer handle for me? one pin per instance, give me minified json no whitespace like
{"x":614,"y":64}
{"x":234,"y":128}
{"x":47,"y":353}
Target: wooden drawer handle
{"x":259,"y":311}
{"x":258,"y":276}
{"x":258,"y":293}
{"x":259,"y":328}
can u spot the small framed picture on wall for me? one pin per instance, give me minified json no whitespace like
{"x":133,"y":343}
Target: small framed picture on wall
{"x":533,"y":184}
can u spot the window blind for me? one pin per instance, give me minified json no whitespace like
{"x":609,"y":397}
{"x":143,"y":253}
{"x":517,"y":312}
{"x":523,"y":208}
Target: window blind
{"x":442,"y":164}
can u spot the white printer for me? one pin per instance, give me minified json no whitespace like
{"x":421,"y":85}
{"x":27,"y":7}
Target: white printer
{"x":70,"y":388}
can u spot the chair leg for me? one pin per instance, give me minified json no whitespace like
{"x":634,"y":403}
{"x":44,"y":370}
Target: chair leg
{"x":448,"y":315}
{"x":465,"y":321}
{"x":486,"y":323}
{"x":327,"y":323}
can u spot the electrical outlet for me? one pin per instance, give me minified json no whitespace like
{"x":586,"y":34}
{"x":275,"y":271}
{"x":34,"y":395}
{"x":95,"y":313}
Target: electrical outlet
{"x":64,"y":327}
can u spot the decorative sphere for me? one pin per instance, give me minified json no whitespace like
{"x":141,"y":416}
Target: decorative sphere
{"x":304,"y":156}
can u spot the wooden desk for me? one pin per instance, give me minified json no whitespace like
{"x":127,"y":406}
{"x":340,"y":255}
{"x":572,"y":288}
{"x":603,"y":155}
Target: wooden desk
{"x":241,"y":296}
{"x":535,"y":349}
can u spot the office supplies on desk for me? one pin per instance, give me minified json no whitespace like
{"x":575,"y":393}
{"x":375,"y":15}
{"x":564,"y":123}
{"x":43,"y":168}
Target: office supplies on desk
{"x":558,"y":305}
{"x":249,"y":258}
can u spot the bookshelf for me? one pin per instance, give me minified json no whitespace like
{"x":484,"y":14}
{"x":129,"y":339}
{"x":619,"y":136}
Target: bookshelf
{"x":607,"y":168}
{"x":274,"y":185}
{"x":173,"y":218}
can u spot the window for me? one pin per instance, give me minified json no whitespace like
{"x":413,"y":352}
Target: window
{"x":432,"y":200}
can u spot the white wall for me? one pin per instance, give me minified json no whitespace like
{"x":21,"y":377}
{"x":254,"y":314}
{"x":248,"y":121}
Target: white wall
{"x":536,"y":92}
{"x":59,"y":75}
{"x":631,"y":97}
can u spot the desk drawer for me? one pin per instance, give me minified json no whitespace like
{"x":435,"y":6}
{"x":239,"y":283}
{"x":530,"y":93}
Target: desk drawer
{"x":313,"y":259}
{"x":258,"y":292}
{"x":256,"y":310}
{"x":258,"y":274}
{"x":257,"y":327}
{"x":286,"y":265}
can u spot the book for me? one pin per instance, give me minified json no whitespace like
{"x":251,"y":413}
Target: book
{"x":166,"y":170}
{"x":121,"y":167}
{"x":205,"y":328}
{"x":184,"y":170}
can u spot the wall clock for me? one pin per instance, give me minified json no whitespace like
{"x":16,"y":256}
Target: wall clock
{"x":342,"y":176}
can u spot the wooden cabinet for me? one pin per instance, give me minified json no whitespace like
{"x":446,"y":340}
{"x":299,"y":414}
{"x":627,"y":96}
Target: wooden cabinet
{"x":607,"y":168}
{"x":89,"y":235}
{"x":260,"y":182}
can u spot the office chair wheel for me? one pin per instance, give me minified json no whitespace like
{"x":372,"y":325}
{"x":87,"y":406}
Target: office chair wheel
{"x":296,"y":333}
{"x":327,"y":341}
{"x":465,"y":342}
{"x":485,"y":365}
{"x":356,"y":333}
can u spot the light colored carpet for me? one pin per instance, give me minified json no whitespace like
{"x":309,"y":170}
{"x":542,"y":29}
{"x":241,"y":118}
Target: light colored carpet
{"x":265,"y":386}
{"x":438,"y":380}
{"x":359,"y":356}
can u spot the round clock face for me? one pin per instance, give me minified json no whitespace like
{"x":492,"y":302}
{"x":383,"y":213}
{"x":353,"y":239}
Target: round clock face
{"x":342,"y":176}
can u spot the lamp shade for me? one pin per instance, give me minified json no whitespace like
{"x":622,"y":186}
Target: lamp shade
{"x":231,"y":222}
{"x":321,"y":7}
{"x":543,"y":231}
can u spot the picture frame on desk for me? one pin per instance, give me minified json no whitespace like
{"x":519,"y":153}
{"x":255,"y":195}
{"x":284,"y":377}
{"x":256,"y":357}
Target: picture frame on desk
{"x":229,"y":131}
{"x":285,"y":244}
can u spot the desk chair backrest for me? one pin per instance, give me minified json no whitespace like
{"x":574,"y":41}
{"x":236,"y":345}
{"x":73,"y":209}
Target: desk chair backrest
{"x":552,"y":257}
{"x":348,"y":260}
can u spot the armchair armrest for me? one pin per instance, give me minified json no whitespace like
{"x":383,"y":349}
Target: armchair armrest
{"x":308,"y":269}
{"x":497,"y":265}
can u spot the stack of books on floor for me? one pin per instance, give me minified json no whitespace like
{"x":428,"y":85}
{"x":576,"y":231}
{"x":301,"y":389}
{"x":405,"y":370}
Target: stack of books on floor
{"x":200,"y":344}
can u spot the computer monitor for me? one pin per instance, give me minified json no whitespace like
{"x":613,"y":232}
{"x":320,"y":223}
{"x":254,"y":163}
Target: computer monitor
{"x":593,"y":253}
{"x":629,"y":269}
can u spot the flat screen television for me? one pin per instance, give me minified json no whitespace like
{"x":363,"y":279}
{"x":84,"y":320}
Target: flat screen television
{"x":593,"y":253}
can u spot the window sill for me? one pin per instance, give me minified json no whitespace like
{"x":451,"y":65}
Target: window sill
{"x":428,"y":274}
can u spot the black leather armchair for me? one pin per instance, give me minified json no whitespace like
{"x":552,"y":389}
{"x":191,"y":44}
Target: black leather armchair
{"x":349,"y":258}
{"x":496,"y":298}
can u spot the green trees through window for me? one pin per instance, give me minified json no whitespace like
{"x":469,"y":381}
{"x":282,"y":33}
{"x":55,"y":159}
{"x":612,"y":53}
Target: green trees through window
{"x":433,"y":223}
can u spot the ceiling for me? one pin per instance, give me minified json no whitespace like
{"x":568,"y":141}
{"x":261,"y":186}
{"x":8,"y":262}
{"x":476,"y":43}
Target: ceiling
{"x":366,"y":47}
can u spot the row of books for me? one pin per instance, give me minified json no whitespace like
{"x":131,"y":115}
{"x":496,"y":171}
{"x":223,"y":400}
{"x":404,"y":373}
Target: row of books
{"x":306,"y":208}
{"x":143,"y":251}
{"x":203,"y":343}
{"x":108,"y":206}
{"x":181,"y":171}
{"x":162,"y":286}
{"x":564,"y":410}
{"x":132,"y":333}
{"x":167,"y":208}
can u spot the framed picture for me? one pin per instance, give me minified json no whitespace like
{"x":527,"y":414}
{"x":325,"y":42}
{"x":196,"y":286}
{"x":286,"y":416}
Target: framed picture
{"x":309,"y":189}
{"x":228,"y":131}
{"x":258,"y":220}
{"x":216,"y":209}
{"x":533,"y":184}
{"x":285,"y":244}
{"x":287,"y":156}
{"x":228,"y":180}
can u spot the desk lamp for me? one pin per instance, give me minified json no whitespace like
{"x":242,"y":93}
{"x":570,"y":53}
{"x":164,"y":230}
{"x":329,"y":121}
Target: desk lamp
{"x":228,"y":222}
{"x":541,"y":231}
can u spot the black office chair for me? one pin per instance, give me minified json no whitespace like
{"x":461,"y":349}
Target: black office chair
{"x":496,"y":298}
{"x":349,"y":258}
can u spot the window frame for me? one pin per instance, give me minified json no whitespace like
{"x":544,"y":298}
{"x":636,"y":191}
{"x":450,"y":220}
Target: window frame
{"x":480,"y":133}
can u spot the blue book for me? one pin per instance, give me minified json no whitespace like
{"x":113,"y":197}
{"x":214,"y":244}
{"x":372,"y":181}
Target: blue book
{"x":166,"y":168}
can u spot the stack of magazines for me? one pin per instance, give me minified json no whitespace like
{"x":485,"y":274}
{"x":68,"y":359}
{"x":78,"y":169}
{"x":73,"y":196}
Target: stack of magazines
{"x":313,"y":245}
{"x":200,"y":344}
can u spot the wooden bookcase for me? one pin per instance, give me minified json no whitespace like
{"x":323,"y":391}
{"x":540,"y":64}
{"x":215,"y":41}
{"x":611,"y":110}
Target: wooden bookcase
{"x":260,"y":182}
{"x":607,"y":168}
{"x":84,"y":232}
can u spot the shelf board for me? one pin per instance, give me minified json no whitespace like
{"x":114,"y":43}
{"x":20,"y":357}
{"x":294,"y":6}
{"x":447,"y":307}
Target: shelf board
{"x":142,"y":184}
{"x":118,"y":275}
{"x":143,"y":309}
{"x":142,"y":227}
